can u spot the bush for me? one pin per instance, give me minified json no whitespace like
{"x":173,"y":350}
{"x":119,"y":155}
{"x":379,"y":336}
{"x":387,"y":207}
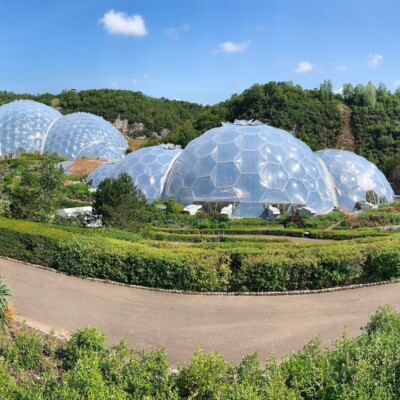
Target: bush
{"x":6,"y":314}
{"x":86,"y":340}
{"x":26,"y":352}
{"x":366,"y":367}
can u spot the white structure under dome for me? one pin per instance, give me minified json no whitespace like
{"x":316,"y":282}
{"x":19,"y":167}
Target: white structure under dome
{"x":356,"y":179}
{"x":250,"y":165}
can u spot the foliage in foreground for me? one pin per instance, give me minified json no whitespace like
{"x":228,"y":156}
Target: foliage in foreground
{"x":5,"y":309}
{"x":35,"y":195}
{"x":33,"y":366}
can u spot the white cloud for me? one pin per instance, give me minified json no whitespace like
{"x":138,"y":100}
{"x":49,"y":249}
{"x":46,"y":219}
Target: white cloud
{"x":341,"y":68}
{"x":146,"y":76}
{"x":396,"y":83}
{"x":120,"y":23}
{"x":231,"y":47}
{"x":174,"y":33}
{"x":374,"y":59}
{"x":114,"y":84}
{"x":303,"y":67}
{"x":134,"y":82}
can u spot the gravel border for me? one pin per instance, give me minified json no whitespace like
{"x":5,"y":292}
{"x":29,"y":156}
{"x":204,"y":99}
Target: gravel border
{"x":188,"y":292}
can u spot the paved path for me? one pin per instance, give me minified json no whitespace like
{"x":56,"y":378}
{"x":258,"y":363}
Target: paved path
{"x":233,"y":325}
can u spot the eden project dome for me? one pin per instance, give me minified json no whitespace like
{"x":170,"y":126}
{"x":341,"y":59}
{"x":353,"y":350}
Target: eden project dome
{"x":251,"y":165}
{"x":23,"y":125}
{"x":80,"y":135}
{"x":148,"y":168}
{"x":356,"y":179}
{"x":99,"y":174}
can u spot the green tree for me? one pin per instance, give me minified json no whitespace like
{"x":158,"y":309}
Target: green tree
{"x":326,"y":90}
{"x":120,"y":204}
{"x":36,"y":194}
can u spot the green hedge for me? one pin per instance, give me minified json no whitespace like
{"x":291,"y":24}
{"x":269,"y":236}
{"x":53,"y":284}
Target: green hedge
{"x":206,"y":266}
{"x":199,"y":238}
{"x":312,"y":233}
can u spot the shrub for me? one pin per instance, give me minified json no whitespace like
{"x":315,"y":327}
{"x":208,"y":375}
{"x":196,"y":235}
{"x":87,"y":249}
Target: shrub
{"x":6,"y":316}
{"x":86,"y":340}
{"x":25,"y":352}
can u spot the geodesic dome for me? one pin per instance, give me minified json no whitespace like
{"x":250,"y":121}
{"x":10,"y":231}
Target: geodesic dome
{"x":81,"y":135}
{"x":251,"y":165}
{"x":23,"y":124}
{"x":356,"y":179}
{"x":99,"y":174}
{"x":148,"y":168}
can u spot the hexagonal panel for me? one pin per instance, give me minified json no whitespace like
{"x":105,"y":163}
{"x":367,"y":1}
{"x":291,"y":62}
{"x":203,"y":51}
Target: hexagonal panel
{"x":249,"y":162}
{"x":203,"y":189}
{"x":294,"y":168}
{"x":296,"y":191}
{"x":204,"y":166}
{"x":274,"y":176}
{"x":226,"y":152}
{"x":249,"y":188}
{"x":226,"y":174}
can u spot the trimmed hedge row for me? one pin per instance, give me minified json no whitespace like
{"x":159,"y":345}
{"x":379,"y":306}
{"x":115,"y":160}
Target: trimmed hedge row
{"x":313,"y":234}
{"x":267,"y":267}
{"x":199,"y":238}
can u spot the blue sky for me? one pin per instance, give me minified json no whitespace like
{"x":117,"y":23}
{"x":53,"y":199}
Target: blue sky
{"x":196,"y":50}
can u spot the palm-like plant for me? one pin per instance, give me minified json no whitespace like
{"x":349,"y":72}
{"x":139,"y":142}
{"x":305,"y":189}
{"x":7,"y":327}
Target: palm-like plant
{"x":6,"y":314}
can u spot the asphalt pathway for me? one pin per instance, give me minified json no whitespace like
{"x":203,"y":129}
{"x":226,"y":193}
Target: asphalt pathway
{"x":235,"y":326}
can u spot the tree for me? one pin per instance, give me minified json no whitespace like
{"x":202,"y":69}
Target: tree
{"x":370,"y":95}
{"x":326,"y":90}
{"x":36,"y":195}
{"x":120,"y":204}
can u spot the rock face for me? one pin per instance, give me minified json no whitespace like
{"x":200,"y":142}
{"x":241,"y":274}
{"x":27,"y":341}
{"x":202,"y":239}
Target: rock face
{"x":132,"y":130}
{"x":122,"y":125}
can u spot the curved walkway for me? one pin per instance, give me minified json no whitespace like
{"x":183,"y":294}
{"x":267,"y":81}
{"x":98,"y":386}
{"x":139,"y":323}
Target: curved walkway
{"x":235,"y":326}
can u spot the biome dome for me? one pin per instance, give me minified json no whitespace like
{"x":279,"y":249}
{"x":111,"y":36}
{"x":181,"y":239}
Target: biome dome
{"x":250,"y":164}
{"x":81,"y":135}
{"x":148,"y":168}
{"x":99,"y":174}
{"x":356,"y":179}
{"x":23,"y":125}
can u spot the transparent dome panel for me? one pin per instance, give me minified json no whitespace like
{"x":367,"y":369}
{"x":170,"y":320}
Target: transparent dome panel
{"x":99,"y":174}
